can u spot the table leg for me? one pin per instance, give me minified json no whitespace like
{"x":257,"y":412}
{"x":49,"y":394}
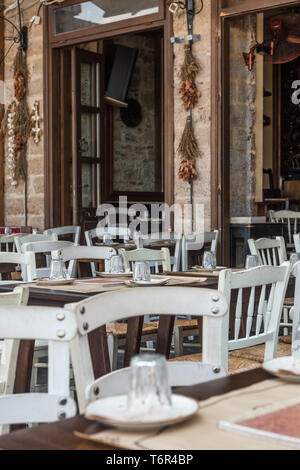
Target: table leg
{"x":99,"y":351}
{"x":23,"y":372}
{"x":164,"y":335}
{"x":133,"y":338}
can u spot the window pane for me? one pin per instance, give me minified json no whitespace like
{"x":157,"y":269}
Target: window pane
{"x":88,"y":89}
{"x":89,"y":136}
{"x":89,"y":175}
{"x":101,"y":12}
{"x":137,"y":131}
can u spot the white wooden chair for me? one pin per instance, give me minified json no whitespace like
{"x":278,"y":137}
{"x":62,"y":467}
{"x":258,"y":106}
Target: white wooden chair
{"x":32,"y":238}
{"x":58,"y":327}
{"x":126,"y":303}
{"x":44,"y":247}
{"x":144,"y":242}
{"x":8,"y":241}
{"x":291,"y":218}
{"x":272,"y":252}
{"x":26,"y":260}
{"x":295,"y":310}
{"x":9,"y":347}
{"x":196,"y":243}
{"x":98,"y":233}
{"x":262,"y":314}
{"x":74,"y":253}
{"x":161,"y":256}
{"x":297,"y":242}
{"x":73,"y":230}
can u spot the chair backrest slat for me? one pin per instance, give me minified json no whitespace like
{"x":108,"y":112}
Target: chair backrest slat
{"x":196,"y":242}
{"x":146,"y":254}
{"x":257,"y":308}
{"x":286,"y":216}
{"x":262,"y":247}
{"x":73,"y":230}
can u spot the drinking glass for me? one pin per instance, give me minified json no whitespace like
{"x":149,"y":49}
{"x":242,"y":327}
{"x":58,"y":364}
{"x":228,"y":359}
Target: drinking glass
{"x":106,"y":238}
{"x":142,"y":271}
{"x":251,"y":261}
{"x":294,"y":258}
{"x":7,"y":231}
{"x":209,"y":260}
{"x":149,"y":388}
{"x":116,"y":264}
{"x":57,"y":270}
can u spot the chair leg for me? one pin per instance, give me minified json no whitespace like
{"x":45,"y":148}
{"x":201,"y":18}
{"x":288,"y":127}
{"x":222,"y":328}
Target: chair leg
{"x":112,"y":342}
{"x":285,"y":320}
{"x":178,"y":341}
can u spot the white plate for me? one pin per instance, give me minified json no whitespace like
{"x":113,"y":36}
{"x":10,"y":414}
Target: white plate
{"x":153,"y":282}
{"x":113,"y":411}
{"x":278,"y":365}
{"x":54,"y":282}
{"x":110,"y":275}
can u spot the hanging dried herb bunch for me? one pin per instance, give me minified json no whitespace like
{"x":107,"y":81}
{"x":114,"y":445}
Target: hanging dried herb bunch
{"x":20,"y":75}
{"x":188,"y":147}
{"x":188,"y":150}
{"x":187,"y":170}
{"x":188,"y":89}
{"x":17,"y":124}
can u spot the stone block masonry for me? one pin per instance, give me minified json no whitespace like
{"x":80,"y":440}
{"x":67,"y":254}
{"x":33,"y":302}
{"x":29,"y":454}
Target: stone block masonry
{"x":14,"y":196}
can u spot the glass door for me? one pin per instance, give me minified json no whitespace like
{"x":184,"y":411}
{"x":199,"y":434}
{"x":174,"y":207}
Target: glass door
{"x":87,"y":130}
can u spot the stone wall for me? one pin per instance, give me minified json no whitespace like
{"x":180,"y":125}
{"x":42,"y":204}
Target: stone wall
{"x":202,"y":111}
{"x":242,"y":118}
{"x":134,"y":147}
{"x":14,"y":195}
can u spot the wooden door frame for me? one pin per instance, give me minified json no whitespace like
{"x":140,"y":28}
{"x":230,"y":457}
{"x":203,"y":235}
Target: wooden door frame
{"x":220,"y":189}
{"x":51,"y":104}
{"x":2,"y":112}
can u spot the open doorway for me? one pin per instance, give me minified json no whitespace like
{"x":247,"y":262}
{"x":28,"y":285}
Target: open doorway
{"x":262,"y":142}
{"x":111,"y":123}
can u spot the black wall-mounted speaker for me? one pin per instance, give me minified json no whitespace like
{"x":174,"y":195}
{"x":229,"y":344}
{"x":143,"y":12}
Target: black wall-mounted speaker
{"x":122,"y":68}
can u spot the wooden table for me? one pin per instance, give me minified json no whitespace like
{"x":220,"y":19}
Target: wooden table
{"x":60,"y":435}
{"x":97,"y":338}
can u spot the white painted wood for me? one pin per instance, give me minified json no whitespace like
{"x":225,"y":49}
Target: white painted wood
{"x":144,"y":241}
{"x":179,"y":374}
{"x":146,"y":254}
{"x":196,"y":242}
{"x":35,"y":408}
{"x":44,"y":247}
{"x":73,"y":253}
{"x":297,"y":242}
{"x":262,"y":247}
{"x":291,"y":218}
{"x":121,"y":232}
{"x":9,"y":240}
{"x":269,"y":308}
{"x":59,"y":327}
{"x":73,"y":230}
{"x":26,"y":260}
{"x":127,"y":303}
